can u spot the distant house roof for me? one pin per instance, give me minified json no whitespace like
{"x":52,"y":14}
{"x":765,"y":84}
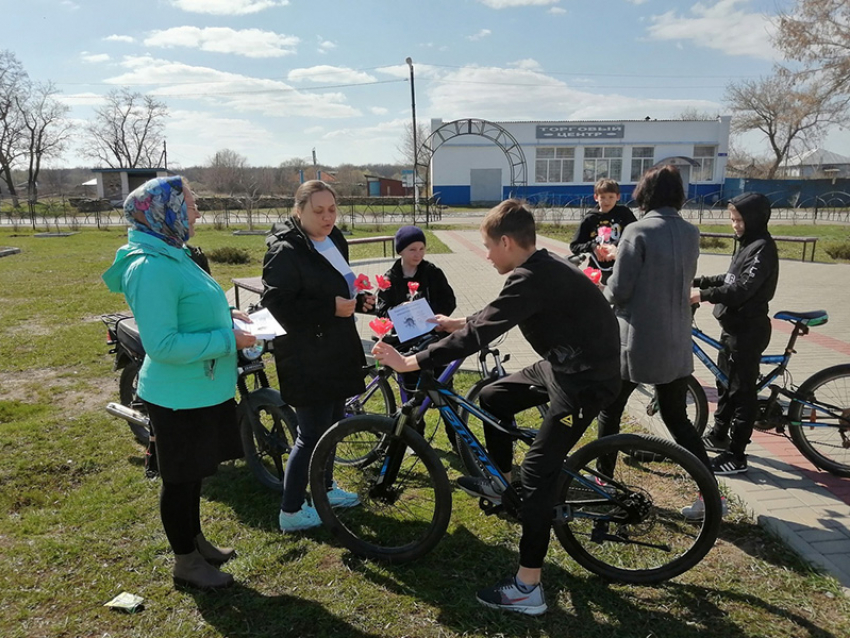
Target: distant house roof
{"x":131,"y":171}
{"x":818,"y":157}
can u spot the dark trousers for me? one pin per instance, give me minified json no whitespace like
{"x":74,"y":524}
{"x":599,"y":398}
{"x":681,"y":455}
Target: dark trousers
{"x":180,"y":511}
{"x":574,"y":402}
{"x":737,"y":404}
{"x":672,"y":403}
{"x":313,"y":422}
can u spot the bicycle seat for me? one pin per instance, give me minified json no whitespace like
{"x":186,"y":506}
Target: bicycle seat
{"x":128,"y":334}
{"x":811,"y":318}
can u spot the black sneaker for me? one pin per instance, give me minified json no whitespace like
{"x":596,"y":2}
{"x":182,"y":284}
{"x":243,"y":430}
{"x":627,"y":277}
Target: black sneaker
{"x":729,"y":463}
{"x":480,"y":488}
{"x":508,"y":596}
{"x":715,"y":443}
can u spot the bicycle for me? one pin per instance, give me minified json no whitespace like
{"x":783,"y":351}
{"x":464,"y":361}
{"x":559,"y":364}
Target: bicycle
{"x":626,"y":527}
{"x":816,"y":413}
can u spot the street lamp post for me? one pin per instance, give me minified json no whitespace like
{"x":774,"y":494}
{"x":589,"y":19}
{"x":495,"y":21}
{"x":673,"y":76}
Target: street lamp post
{"x":415,"y":144}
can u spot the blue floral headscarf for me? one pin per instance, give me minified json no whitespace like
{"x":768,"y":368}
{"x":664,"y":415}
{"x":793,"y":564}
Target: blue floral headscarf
{"x":158,"y":208}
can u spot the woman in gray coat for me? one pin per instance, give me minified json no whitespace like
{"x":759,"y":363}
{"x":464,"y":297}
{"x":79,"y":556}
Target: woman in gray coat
{"x":650,"y":290}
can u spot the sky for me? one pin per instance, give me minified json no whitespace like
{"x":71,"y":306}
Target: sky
{"x":275,"y":79}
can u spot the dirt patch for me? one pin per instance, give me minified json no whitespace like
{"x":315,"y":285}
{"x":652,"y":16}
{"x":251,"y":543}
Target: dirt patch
{"x":66,"y":392}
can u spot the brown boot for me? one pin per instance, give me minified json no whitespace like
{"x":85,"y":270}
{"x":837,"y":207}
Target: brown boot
{"x":193,"y":571}
{"x":212,"y":554}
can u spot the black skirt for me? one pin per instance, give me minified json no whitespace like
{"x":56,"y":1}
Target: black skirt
{"x":191,"y":443}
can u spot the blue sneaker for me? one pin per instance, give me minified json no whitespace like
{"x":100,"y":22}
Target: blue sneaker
{"x":305,"y":518}
{"x":338,"y":497}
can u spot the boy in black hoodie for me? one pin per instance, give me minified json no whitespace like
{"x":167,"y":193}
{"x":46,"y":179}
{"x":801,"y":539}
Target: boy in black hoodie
{"x":741,"y":298}
{"x":610,"y":216}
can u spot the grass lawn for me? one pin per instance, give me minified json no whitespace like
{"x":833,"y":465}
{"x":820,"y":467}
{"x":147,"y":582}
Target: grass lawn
{"x":81,"y":524}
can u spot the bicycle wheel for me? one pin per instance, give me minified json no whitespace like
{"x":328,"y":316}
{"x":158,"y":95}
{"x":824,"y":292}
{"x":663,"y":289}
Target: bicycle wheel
{"x":826,"y":444}
{"x":377,"y":399}
{"x":530,"y":419}
{"x":268,"y":432}
{"x":127,"y":385}
{"x":405,"y":496}
{"x":638,"y":535}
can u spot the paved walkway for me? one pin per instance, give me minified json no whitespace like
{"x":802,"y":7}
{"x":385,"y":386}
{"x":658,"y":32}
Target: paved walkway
{"x":808,"y":509}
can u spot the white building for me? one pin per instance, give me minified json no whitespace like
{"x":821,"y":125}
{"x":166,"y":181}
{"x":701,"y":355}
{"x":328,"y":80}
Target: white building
{"x":475,"y":161}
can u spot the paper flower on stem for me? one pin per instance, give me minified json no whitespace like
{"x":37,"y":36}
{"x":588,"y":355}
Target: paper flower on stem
{"x":382,"y":282}
{"x":412,"y":287}
{"x":594,"y":274}
{"x":603,"y":235}
{"x":380,"y":326}
{"x":362,"y":283}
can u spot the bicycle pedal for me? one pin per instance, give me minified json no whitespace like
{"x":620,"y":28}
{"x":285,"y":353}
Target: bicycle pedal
{"x":489,"y":508}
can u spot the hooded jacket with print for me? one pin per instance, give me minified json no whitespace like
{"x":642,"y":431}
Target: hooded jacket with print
{"x":743,"y":292}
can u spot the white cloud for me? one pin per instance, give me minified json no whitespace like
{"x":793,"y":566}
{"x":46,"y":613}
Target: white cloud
{"x":325,"y":74}
{"x":325,"y":45}
{"x":73,"y":6}
{"x":193,"y":136}
{"x":251,"y":43}
{"x":231,"y":90}
{"x":526,"y":63}
{"x":637,"y":2}
{"x":120,"y":38}
{"x":505,"y":4}
{"x":228,"y":7}
{"x":483,"y":33}
{"x":526,"y":94}
{"x":378,"y":110}
{"x":93,"y":58}
{"x":722,"y":26}
{"x":557,"y":11}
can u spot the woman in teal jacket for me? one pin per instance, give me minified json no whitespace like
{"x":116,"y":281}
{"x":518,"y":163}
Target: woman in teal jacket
{"x":188,"y":377}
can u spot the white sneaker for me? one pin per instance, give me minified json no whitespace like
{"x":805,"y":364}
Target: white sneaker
{"x":696,"y":512}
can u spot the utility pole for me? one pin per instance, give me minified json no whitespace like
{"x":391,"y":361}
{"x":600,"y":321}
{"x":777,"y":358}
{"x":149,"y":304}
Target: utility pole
{"x":415,"y":144}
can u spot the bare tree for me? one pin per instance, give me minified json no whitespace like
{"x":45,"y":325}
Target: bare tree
{"x":817,"y":33}
{"x":351,"y":181}
{"x":127,"y":131}
{"x":692,"y":113}
{"x":224,"y":173}
{"x":785,"y":107}
{"x":45,"y":131}
{"x":14,"y":83}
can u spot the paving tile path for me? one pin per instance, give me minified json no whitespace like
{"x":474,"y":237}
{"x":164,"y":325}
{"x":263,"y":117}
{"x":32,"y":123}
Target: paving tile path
{"x":807,"y":508}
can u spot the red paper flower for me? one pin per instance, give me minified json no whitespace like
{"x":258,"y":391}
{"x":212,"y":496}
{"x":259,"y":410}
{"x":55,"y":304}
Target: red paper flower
{"x":594,"y":274}
{"x":412,"y":286}
{"x":604,"y":234}
{"x":362,"y":283}
{"x":382,"y":282}
{"x":381,"y":326}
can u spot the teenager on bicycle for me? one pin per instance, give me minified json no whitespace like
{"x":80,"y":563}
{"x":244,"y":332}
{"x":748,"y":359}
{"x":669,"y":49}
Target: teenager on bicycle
{"x":740,"y":298}
{"x":567,"y":321}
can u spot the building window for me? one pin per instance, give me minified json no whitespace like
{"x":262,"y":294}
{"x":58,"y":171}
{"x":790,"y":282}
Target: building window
{"x":602,"y":161}
{"x":704,"y":156}
{"x":643,"y":158}
{"x":554,"y":164}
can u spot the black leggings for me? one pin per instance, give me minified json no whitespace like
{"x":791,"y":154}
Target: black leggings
{"x":180,"y":510}
{"x":672,"y":403}
{"x":573,"y":404}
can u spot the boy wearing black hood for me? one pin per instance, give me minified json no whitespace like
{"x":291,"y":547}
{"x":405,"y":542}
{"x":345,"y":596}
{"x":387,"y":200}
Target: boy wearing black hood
{"x":740,"y":299}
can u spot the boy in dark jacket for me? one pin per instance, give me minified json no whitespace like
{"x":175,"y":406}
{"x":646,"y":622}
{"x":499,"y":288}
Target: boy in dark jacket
{"x":600,"y":230}
{"x":411,"y":266}
{"x":740,"y":298}
{"x":568,"y":322}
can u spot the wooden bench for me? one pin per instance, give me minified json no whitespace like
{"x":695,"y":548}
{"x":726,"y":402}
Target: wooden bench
{"x":384,"y":239}
{"x":791,"y":238}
